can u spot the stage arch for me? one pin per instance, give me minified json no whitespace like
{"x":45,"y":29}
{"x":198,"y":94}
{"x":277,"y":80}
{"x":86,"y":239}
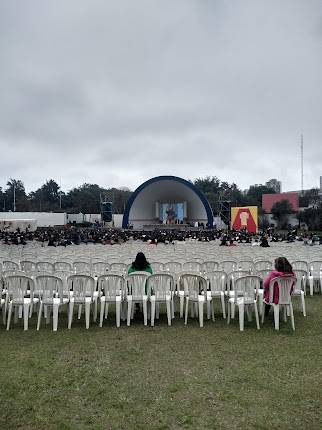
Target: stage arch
{"x":142,"y":208}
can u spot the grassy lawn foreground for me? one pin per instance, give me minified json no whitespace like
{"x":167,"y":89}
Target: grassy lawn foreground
{"x":164,"y":377}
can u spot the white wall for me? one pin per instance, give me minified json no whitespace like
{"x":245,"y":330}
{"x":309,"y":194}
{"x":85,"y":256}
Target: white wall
{"x":44,"y":219}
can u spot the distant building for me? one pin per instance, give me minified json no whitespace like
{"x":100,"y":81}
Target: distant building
{"x":275,"y":185}
{"x":268,"y":200}
{"x":320,"y":183}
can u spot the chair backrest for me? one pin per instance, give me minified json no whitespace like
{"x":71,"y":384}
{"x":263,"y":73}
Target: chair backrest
{"x":315,"y":268}
{"x":45,"y":266}
{"x":300,"y":264}
{"x":263,"y":273}
{"x":18,"y":286}
{"x":82,"y":286}
{"x":233,"y":276}
{"x":27,"y":266}
{"x":62,"y":265}
{"x":228,"y":266}
{"x":100,"y":268}
{"x":217,"y":281}
{"x":118,"y":268}
{"x":210,"y":266}
{"x":157,"y":266}
{"x":193,"y":285}
{"x":246,"y":264}
{"x":192,"y":266}
{"x":173,"y":266}
{"x":263,"y":265}
{"x":284,"y":285}
{"x":136,"y":284}
{"x":111,"y":285}
{"x":246,"y":287}
{"x":301,"y":278}
{"x":82,"y":267}
{"x":161,"y":285}
{"x":10,"y":265}
{"x":48,"y":286}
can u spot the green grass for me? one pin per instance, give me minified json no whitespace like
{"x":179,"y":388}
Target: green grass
{"x":164,"y":377}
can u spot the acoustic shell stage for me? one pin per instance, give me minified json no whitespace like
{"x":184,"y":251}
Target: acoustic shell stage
{"x":167,"y":202}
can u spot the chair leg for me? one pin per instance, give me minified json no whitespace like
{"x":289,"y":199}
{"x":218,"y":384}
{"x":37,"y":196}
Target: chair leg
{"x":187,"y":310}
{"x":181,"y":298}
{"x":102,"y":311}
{"x":39,"y":315}
{"x":9,"y":315}
{"x":118,"y":312}
{"x":201,"y":302}
{"x":129,"y":311}
{"x":256,"y":316}
{"x":228,"y":316}
{"x":241,"y":311}
{"x":232,"y":310}
{"x":70,"y":313}
{"x":285,"y":312}
{"x":292,"y":316}
{"x":212,"y":310}
{"x":223,"y":306}
{"x":25,"y":315}
{"x":152,"y":298}
{"x":4,"y":314}
{"x":48,"y":315}
{"x":168,"y":303}
{"x":55,"y":314}
{"x":106,"y":310}
{"x":208,"y":309}
{"x":95,"y":309}
{"x":87,"y":312}
{"x":311,"y":285}
{"x":303,"y":304}
{"x":145,"y":310}
{"x":17,"y":310}
{"x":79,"y":312}
{"x":276,"y":316}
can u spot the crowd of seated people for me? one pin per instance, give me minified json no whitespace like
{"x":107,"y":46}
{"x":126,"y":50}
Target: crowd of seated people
{"x":72,"y":235}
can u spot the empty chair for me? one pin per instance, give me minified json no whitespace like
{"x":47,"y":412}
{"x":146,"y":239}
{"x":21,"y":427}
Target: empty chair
{"x":301,"y":265}
{"x":157,"y":266}
{"x":82,"y":267}
{"x":210,"y":266}
{"x":83,"y":293}
{"x":263,"y":265}
{"x":120,"y":268}
{"x":284,"y":286}
{"x":246,"y":264}
{"x":27,"y":266}
{"x":160,"y":289}
{"x":195,"y":292}
{"x":315,"y":277}
{"x":50,"y":291}
{"x":136,"y":293}
{"x":218,"y":284}
{"x":173,"y":266}
{"x":192,"y":266}
{"x":100,"y":268}
{"x":62,"y":265}
{"x":45,"y":266}
{"x":112,"y":288}
{"x":228,"y":266}
{"x":300,"y":287}
{"x":2,"y":303}
{"x":245,"y":296}
{"x":10,"y":265}
{"x":19,"y":290}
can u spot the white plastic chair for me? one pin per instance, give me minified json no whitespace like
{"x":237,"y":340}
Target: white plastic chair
{"x":157,"y":266}
{"x":210,"y":266}
{"x":192,"y":266}
{"x":50,"y":290}
{"x":218,"y":284}
{"x":18,"y":288}
{"x":135,"y":284}
{"x":83,"y":293}
{"x":300,"y":287}
{"x":27,"y":266}
{"x":284,"y":285}
{"x":263,"y":265}
{"x":315,"y":277}
{"x":120,"y":268}
{"x":195,"y":292}
{"x":112,"y":288}
{"x":160,"y":289}
{"x":10,"y":265}
{"x":62,"y":265}
{"x":45,"y":266}
{"x":245,"y":296}
{"x":82,"y":267}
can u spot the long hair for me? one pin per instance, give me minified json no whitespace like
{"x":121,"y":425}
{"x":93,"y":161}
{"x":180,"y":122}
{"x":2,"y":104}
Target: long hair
{"x":140,"y":262}
{"x":283,"y":265}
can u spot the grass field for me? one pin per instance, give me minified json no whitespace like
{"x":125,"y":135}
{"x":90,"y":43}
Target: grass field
{"x":164,"y":377}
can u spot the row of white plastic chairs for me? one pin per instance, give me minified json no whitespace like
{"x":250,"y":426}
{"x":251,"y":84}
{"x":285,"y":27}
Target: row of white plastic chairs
{"x":50,"y":292}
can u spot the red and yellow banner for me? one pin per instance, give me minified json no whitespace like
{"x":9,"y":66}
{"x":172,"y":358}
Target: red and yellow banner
{"x":245,"y":218}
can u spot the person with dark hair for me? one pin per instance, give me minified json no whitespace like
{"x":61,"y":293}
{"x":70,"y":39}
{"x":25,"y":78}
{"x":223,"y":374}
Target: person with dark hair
{"x":140,"y":264}
{"x":264,"y":241}
{"x":282,"y":268}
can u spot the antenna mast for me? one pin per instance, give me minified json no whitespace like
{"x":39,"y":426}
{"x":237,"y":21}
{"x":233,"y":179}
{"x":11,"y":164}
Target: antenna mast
{"x":302,"y":174}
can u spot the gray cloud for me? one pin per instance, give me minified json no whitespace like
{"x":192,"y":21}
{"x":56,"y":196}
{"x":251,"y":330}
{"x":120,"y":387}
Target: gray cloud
{"x":117,"y":92}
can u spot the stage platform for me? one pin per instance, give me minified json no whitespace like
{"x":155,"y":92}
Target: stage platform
{"x":167,"y":227}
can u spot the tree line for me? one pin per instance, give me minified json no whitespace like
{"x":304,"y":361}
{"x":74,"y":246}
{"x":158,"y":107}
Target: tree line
{"x":86,"y":199}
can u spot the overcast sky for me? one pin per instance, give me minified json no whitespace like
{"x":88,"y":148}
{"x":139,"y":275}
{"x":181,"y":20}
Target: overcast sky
{"x":115,"y":92}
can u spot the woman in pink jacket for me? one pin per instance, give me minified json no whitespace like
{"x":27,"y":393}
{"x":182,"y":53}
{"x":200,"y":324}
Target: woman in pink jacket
{"x":282,"y":268}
